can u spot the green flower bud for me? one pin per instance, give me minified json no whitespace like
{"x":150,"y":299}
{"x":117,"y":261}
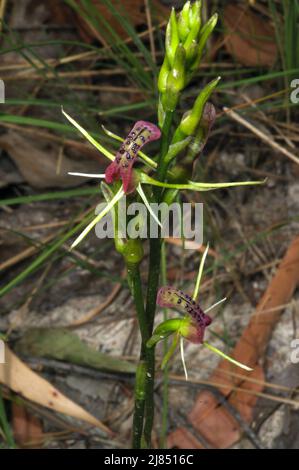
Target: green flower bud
{"x":176,"y":148}
{"x":191,"y":47}
{"x":204,"y":36}
{"x":176,"y":77}
{"x":176,"y":80}
{"x":183,"y":22}
{"x":195,"y":14}
{"x":192,"y":36}
{"x":133,"y":251}
{"x":163,"y":75}
{"x":163,"y":330}
{"x":161,"y":112}
{"x":191,"y":53}
{"x":192,"y":118}
{"x":172,"y":37}
{"x":185,"y":327}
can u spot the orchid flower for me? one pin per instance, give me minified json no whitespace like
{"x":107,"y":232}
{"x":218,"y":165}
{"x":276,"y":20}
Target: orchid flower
{"x":121,"y":167}
{"x":142,"y":133}
{"x":191,"y":326}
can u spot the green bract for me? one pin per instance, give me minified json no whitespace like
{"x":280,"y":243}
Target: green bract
{"x":184,"y":32}
{"x":192,"y":118}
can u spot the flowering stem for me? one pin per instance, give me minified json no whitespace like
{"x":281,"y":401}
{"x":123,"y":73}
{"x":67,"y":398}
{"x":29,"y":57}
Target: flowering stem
{"x":153,"y":283}
{"x":139,"y":405}
{"x":134,"y":281}
{"x":164,"y":425}
{"x":155,"y":243}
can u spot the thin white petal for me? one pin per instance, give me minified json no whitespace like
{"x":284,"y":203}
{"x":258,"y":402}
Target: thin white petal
{"x":226,"y":357}
{"x":87,"y":175}
{"x":105,"y":211}
{"x":215,"y":305}
{"x":87,"y":136}
{"x":200,"y":271}
{"x":183,"y":357}
{"x":147,"y":204}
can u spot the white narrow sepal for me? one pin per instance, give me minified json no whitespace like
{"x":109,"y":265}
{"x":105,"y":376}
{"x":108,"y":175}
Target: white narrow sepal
{"x":183,"y":357}
{"x":87,"y":136}
{"x":200,"y":272}
{"x":87,"y":175}
{"x":97,"y":219}
{"x":216,"y":304}
{"x":147,"y":204}
{"x":226,"y":357}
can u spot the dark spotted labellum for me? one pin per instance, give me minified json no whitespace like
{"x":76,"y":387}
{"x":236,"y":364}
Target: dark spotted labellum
{"x":122,"y":166}
{"x":170,"y":297}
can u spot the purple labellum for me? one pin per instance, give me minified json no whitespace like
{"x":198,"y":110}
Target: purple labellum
{"x":122,"y":166}
{"x":173,"y":298}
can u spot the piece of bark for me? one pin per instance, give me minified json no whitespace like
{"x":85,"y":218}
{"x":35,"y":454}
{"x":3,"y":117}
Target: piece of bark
{"x":27,"y":428}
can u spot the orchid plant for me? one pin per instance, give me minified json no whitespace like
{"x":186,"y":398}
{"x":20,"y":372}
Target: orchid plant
{"x":165,"y":177}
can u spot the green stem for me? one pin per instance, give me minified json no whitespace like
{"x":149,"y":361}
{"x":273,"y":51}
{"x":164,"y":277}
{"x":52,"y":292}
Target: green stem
{"x":153,"y":283}
{"x":149,"y":397}
{"x":155,"y":243}
{"x":164,"y":425}
{"x":139,"y":404}
{"x":134,"y":281}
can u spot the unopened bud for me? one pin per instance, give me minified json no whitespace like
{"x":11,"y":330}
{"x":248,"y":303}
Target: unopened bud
{"x":176,"y":77}
{"x":204,"y":36}
{"x":133,"y":251}
{"x":172,"y":37}
{"x":163,"y":76}
{"x":195,"y":14}
{"x":176,"y":80}
{"x":183,"y":22}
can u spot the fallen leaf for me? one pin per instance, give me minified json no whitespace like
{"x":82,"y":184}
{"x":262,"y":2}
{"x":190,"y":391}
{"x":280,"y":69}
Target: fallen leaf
{"x":61,"y":344}
{"x":250,"y":39}
{"x":17,"y":376}
{"x":38,"y":162}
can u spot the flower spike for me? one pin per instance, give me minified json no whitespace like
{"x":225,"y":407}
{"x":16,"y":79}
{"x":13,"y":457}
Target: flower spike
{"x":122,"y":166}
{"x":170,"y":297}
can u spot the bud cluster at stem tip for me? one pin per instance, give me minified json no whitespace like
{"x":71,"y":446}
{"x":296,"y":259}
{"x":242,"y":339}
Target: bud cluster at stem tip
{"x":185,"y":40}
